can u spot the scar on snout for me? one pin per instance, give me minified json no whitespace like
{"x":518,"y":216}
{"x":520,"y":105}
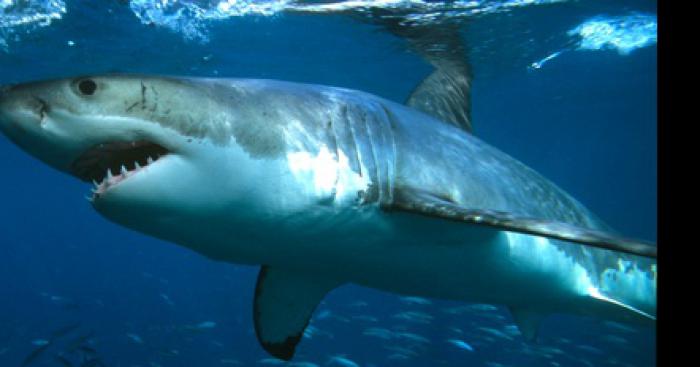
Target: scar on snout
{"x":128,"y":109}
{"x":143,"y":96}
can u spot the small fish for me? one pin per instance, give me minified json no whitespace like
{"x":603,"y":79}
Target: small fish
{"x":589,"y":349}
{"x":324,"y":314}
{"x":619,"y":327}
{"x":312,"y":331}
{"x":206,"y":325}
{"x":483,"y":307}
{"x":365,"y":318}
{"x":493,"y":316}
{"x":496,"y":333}
{"x":478,"y":307}
{"x":135,"y":338}
{"x":413,"y":337}
{"x":398,"y":357}
{"x":401,"y":350}
{"x":169,"y":353}
{"x":414,"y":316}
{"x":553,"y":350}
{"x":342,"y":319}
{"x":61,"y":301}
{"x":40,"y":342}
{"x":302,"y":364}
{"x":359,"y":304}
{"x":342,"y":362}
{"x":615,"y":339}
{"x":167,"y":299}
{"x":379,"y":333}
{"x":416,"y":300}
{"x":458,"y":310}
{"x":511,"y":330}
{"x":271,"y":361}
{"x":309,"y":332}
{"x":461,"y":344}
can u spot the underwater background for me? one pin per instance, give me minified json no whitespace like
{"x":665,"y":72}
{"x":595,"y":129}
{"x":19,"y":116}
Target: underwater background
{"x":567,"y":87}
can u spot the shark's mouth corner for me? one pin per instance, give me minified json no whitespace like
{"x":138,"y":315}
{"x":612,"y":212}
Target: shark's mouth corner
{"x":108,"y":164}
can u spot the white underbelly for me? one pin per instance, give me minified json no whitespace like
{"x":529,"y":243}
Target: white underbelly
{"x":433,"y":258}
{"x":416,"y":255}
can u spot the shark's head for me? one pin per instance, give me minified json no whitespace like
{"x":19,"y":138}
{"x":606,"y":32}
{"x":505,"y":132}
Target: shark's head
{"x":167,"y":151}
{"x":139,"y":139}
{"x":123,"y":133}
{"x":85,"y":126}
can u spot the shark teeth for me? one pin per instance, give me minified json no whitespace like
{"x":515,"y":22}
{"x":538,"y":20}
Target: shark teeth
{"x":111,"y":179}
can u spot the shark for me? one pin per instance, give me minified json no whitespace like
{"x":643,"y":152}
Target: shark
{"x":323,"y":186}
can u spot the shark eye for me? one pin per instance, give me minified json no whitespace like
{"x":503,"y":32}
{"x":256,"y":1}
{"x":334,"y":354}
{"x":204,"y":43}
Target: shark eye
{"x":87,"y":87}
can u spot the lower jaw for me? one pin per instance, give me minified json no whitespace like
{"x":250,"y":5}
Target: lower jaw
{"x":110,"y":183}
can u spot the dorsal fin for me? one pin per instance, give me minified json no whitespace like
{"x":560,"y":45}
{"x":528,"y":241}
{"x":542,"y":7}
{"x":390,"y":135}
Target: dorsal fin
{"x":445,"y":93}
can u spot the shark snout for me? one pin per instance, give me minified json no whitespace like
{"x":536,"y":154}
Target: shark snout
{"x":24,"y":120}
{"x":20,"y":106}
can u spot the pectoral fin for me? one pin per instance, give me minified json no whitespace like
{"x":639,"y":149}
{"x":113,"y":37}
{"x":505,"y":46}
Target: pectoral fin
{"x":423,"y":203}
{"x":284,"y":303}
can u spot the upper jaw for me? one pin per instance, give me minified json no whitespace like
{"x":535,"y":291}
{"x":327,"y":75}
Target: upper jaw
{"x":96,"y":162}
{"x":108,"y":164}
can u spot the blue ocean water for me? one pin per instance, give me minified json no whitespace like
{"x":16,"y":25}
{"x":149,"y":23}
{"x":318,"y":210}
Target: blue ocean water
{"x":569,"y":88}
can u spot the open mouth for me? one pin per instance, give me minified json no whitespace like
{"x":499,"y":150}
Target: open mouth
{"x":109,"y":164}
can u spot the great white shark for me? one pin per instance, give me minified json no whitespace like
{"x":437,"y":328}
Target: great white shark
{"x":322,"y":186}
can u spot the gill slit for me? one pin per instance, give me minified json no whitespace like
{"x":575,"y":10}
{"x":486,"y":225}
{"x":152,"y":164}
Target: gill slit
{"x":391,"y":161}
{"x":334,"y":141}
{"x":371,"y":142}
{"x":356,"y":147}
